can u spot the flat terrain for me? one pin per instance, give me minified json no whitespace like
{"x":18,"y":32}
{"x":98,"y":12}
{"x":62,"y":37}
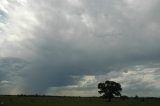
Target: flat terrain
{"x":73,"y":101}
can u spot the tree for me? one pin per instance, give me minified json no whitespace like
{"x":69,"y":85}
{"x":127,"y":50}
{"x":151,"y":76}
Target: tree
{"x":109,"y":89}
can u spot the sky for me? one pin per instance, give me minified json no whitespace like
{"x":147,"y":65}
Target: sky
{"x":66,"y":47}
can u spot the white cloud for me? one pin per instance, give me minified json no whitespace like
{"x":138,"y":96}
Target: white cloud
{"x":86,"y":86}
{"x":76,"y":3}
{"x":17,"y":28}
{"x":142,"y":82}
{"x":87,"y":81}
{"x":4,"y":82}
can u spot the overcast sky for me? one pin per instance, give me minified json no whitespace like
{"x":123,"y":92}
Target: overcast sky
{"x":66,"y":47}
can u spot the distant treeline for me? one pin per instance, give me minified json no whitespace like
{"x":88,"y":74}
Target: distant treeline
{"x":37,"y":95}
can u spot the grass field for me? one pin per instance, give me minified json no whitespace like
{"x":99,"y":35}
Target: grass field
{"x":73,"y":101}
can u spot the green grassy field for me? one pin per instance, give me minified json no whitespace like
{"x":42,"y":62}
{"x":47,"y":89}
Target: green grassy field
{"x":73,"y":101}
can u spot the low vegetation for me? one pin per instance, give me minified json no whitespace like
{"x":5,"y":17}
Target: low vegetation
{"x":75,"y":101}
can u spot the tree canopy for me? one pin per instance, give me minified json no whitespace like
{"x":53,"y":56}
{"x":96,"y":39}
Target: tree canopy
{"x":109,"y":89}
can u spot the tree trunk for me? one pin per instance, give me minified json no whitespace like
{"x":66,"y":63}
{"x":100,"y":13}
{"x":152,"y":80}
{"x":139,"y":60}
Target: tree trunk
{"x":109,"y":99}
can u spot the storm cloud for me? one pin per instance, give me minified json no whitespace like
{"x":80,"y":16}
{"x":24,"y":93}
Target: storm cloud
{"x":63,"y":47}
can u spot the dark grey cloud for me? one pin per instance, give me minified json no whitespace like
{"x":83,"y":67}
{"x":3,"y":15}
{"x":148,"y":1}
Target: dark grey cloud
{"x":11,"y":81}
{"x":65,"y":38}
